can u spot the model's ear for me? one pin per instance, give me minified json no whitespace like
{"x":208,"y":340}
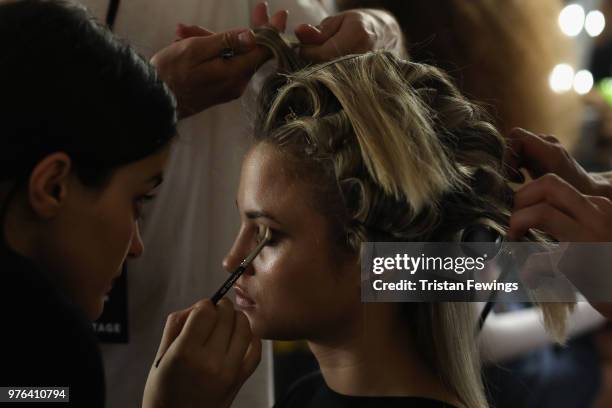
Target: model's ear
{"x":48,"y":184}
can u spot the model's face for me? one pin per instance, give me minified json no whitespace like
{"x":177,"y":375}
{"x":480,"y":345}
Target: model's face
{"x":87,"y":242}
{"x":301,"y":285}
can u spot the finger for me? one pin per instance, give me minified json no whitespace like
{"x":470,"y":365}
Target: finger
{"x":199,"y":325}
{"x":331,"y":25}
{"x":174,"y":325}
{"x":251,"y":359}
{"x":239,"y":68}
{"x":186,"y":31}
{"x":512,"y":162}
{"x":219,"y":340}
{"x":239,"y":343}
{"x":279,"y":20}
{"x":205,"y":48}
{"x":559,"y":194}
{"x":534,"y":153}
{"x":309,"y":35}
{"x":550,"y":139}
{"x":603,"y":204}
{"x":546,"y":218}
{"x":260,"y":16}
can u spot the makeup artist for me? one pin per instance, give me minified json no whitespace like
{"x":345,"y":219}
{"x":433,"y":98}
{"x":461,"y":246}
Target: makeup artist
{"x":85,"y":132}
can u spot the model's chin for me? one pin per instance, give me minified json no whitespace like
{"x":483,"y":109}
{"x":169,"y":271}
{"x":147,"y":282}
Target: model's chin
{"x":258,"y":326}
{"x":264,"y":330}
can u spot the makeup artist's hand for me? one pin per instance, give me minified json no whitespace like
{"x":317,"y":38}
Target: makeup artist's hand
{"x":208,"y":352}
{"x":193,"y":68}
{"x":350,"y":32}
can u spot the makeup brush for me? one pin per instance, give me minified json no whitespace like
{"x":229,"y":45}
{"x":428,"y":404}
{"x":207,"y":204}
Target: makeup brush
{"x":241,"y":268}
{"x":235,"y":275}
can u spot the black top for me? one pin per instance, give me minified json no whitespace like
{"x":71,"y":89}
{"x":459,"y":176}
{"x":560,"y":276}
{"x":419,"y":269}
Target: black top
{"x":45,"y":340}
{"x":311,"y":391}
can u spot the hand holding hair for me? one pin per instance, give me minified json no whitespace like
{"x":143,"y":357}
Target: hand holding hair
{"x":541,"y":154}
{"x":350,"y":32}
{"x":209,"y":352}
{"x":563,"y":200}
{"x":552,"y":205}
{"x":204,"y":69}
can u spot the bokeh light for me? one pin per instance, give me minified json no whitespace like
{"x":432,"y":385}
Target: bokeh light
{"x":594,"y":23}
{"x":562,"y":78}
{"x":571,"y":20}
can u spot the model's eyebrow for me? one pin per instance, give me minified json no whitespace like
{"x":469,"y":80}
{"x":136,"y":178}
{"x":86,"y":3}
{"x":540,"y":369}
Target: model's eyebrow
{"x":255,"y":214}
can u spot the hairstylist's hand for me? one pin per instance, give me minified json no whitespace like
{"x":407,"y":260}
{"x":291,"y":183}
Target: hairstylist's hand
{"x":197,"y":74}
{"x":350,"y":32}
{"x":553,"y":206}
{"x":540,"y":154}
{"x":550,"y":204}
{"x":208,"y":353}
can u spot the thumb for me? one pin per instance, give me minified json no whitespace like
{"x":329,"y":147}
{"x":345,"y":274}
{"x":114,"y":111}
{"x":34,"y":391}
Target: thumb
{"x":309,"y":35}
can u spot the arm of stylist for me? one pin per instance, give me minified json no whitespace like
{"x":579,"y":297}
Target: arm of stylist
{"x":563,"y":200}
{"x":208,"y":353}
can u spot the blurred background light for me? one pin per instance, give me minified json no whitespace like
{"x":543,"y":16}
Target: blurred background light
{"x":594,"y":23}
{"x":583,"y":82}
{"x":561,"y":78}
{"x":571,"y":20}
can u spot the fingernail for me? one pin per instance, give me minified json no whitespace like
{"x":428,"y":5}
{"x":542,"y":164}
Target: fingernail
{"x":317,"y":28}
{"x":246,"y":39}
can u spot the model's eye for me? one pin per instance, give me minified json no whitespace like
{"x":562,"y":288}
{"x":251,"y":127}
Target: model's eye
{"x":261,"y":233}
{"x":139,"y":204}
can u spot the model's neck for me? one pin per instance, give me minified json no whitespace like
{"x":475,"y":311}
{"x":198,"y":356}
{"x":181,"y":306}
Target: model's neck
{"x":377,"y":358}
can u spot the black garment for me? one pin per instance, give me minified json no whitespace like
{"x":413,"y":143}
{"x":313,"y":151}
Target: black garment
{"x":311,"y":391}
{"x":45,"y":340}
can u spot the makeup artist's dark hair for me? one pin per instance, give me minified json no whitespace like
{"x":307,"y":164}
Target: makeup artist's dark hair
{"x":68,"y":85}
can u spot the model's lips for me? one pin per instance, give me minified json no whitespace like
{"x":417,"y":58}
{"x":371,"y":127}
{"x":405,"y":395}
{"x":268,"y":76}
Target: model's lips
{"x":243,"y":300}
